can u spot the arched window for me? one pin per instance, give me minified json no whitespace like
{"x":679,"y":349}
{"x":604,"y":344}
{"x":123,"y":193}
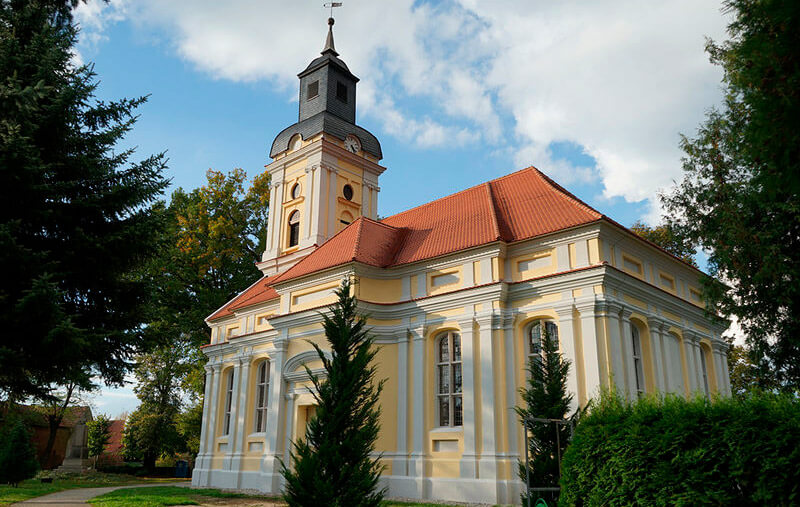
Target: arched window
{"x":448,"y":379}
{"x":262,"y":397}
{"x":535,"y":337}
{"x":294,"y":228}
{"x":636,"y":346}
{"x":346,"y":218}
{"x":226,"y":421}
{"x":704,"y":370}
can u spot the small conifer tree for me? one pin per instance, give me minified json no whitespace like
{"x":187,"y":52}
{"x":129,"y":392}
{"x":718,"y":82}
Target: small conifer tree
{"x":545,"y":397}
{"x":334,"y":465}
{"x":17,"y":456}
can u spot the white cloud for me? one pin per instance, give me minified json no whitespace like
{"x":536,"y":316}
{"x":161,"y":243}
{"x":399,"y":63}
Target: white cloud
{"x":621,"y":79}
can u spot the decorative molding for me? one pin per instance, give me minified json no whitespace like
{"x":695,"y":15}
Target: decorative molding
{"x":300,"y":359}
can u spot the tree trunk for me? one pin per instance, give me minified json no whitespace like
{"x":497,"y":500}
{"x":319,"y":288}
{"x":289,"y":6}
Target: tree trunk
{"x":53,"y":422}
{"x":149,"y":462}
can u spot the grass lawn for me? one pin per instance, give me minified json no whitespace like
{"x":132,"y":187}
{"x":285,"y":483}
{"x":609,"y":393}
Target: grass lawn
{"x":33,"y":487}
{"x":168,"y":495}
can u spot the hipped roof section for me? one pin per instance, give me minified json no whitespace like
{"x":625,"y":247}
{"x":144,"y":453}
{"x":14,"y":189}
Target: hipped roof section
{"x":518,"y":206}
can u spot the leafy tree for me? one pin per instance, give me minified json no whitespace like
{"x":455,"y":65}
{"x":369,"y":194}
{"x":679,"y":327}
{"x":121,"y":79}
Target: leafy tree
{"x":333,"y":464}
{"x":98,"y":435}
{"x":745,"y":376}
{"x":545,"y":397}
{"x":207,"y":254}
{"x":151,"y":430}
{"x":664,"y":236}
{"x":17,"y":455}
{"x":740,"y":195}
{"x":75,"y":214}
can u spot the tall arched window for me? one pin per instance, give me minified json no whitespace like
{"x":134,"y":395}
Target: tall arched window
{"x":226,"y":421}
{"x":535,"y":337}
{"x":262,"y":397}
{"x":294,"y":228}
{"x":704,"y":370}
{"x":636,"y":344}
{"x":448,"y":379}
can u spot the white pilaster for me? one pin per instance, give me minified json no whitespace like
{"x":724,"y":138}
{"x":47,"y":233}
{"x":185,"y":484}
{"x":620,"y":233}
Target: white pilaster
{"x":308,"y":195}
{"x":205,"y":449}
{"x":487,"y":464}
{"x":320,"y":176}
{"x":691,"y":368}
{"x":586,"y":310}
{"x":333,"y":195}
{"x":416,"y":460}
{"x":241,"y":411}
{"x":620,"y":350}
{"x":287,"y":429}
{"x":726,"y":375}
{"x":512,"y":424}
{"x":227,"y":461}
{"x":270,"y":465}
{"x":400,"y":465}
{"x":468,"y":458}
{"x":661,"y":366}
{"x":566,"y":339}
{"x":627,"y":351}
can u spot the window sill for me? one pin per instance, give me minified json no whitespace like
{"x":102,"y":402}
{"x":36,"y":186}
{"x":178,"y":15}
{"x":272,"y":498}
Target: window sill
{"x":447,"y":429}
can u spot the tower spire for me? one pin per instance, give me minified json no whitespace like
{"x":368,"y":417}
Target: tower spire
{"x":329,"y":47}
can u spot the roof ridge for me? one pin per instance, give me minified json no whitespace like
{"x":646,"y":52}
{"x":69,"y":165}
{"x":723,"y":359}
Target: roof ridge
{"x":461,"y":192}
{"x":565,"y":192}
{"x":377,"y":222}
{"x":493,"y":209}
{"x":356,"y":243}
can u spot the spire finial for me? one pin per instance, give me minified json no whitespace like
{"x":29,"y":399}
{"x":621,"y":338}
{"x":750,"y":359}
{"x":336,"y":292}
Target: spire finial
{"x":329,"y":41}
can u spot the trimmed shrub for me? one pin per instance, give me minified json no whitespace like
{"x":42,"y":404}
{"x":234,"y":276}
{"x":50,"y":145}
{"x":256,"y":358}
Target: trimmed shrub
{"x":676,"y":452}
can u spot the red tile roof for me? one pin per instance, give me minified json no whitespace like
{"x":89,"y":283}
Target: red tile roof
{"x":259,"y":292}
{"x":518,"y":206}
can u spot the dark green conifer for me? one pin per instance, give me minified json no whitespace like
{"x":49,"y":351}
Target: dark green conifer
{"x":17,"y":455}
{"x":545,"y":397}
{"x":334,"y":465}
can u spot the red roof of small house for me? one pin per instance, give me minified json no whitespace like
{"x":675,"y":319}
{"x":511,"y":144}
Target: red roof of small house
{"x":115,"y":431}
{"x":515,"y":207}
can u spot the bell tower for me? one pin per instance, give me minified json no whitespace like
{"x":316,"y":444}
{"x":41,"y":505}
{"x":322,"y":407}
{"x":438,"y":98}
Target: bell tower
{"x":324,"y":168}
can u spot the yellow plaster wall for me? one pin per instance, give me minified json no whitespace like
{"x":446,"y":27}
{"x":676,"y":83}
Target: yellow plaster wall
{"x":386,"y":363}
{"x":313,"y":302}
{"x":457,"y":271}
{"x":594,"y":251}
{"x":517,"y":273}
{"x":547,"y":298}
{"x":379,"y":291}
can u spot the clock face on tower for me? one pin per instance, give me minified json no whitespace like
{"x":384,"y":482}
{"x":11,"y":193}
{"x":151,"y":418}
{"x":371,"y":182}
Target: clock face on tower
{"x":352,"y":144}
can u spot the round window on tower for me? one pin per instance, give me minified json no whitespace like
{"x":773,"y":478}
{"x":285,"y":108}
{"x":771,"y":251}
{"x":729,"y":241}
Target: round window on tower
{"x":347,"y":192}
{"x":296,"y":191}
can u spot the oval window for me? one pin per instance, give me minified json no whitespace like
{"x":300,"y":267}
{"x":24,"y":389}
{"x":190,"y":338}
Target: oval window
{"x":296,"y":191}
{"x":347,"y":192}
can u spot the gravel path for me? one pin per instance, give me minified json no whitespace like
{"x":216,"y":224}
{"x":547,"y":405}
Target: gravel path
{"x":79,"y":496}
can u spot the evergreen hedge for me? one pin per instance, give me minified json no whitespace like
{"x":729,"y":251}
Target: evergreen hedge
{"x":677,"y":452}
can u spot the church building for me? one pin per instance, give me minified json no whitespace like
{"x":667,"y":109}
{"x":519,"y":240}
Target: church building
{"x":457,"y":291}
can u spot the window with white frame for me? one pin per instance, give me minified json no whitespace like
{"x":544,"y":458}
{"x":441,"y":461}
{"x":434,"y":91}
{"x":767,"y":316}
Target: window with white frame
{"x":535,"y":337}
{"x":226,"y":421}
{"x":448,"y":379}
{"x":262,"y":397}
{"x":704,"y":371}
{"x":636,"y":343}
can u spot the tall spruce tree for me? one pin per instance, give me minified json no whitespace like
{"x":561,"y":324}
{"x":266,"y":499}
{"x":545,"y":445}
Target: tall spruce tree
{"x":740,"y":196}
{"x":333,"y":465}
{"x":75,"y":214}
{"x":545,"y":397}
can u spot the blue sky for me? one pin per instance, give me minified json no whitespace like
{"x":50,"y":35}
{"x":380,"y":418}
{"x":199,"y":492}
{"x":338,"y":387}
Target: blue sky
{"x":595,"y":94}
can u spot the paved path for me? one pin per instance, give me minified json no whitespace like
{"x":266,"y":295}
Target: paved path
{"x":79,"y":496}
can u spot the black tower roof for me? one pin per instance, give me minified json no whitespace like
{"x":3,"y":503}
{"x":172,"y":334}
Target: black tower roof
{"x":327,"y":103}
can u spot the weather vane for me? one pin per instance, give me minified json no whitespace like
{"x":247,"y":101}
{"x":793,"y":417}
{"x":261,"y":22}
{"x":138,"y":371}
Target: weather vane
{"x":331,"y":5}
